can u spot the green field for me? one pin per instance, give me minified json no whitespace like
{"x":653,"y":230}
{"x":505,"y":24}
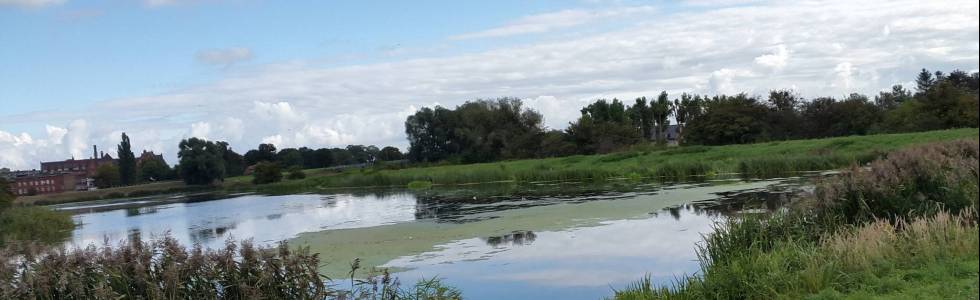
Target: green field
{"x":645,"y":162}
{"x":650,"y":163}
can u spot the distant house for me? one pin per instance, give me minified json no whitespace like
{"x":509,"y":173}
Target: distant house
{"x":148,"y":156}
{"x":43,"y":183}
{"x":72,"y":174}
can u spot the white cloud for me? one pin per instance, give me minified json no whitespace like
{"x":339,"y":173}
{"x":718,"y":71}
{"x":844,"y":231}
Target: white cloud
{"x":223,"y":57}
{"x":775,"y":60}
{"x":31,"y":3}
{"x":703,"y":51}
{"x":201,"y":130}
{"x":555,"y":20}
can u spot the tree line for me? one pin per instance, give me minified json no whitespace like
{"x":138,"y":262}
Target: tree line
{"x":490,"y":130}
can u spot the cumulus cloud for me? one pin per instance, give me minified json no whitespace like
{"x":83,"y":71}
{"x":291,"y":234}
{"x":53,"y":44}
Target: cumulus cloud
{"x":555,"y":20}
{"x":201,"y":130}
{"x":775,"y":60}
{"x":820,"y":48}
{"x":223,"y":57}
{"x":30,"y":3}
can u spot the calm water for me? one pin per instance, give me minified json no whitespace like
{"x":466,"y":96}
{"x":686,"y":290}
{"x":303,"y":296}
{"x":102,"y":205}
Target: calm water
{"x":554,"y":241}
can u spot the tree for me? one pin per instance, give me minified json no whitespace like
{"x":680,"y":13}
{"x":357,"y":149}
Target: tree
{"x":234,"y":162}
{"x":892,"y":99}
{"x":289,"y":157}
{"x":924,"y":81}
{"x":661,"y":109}
{"x":154,"y":170}
{"x":265,"y":152}
{"x":201,"y":162}
{"x":726,"y":119}
{"x":107,"y":176}
{"x":642,"y":116}
{"x":603,"y":127}
{"x":827,"y":117}
{"x":322,"y":158}
{"x":686,"y":109}
{"x":784,"y":117}
{"x":267,"y":172}
{"x":390,"y":153}
{"x":127,"y":161}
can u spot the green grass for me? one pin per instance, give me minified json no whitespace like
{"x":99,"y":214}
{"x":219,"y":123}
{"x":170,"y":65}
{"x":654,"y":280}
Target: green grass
{"x":680,"y":163}
{"x":34,"y":224}
{"x":904,"y":228}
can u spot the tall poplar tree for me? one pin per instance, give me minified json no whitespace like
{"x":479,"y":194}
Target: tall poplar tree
{"x":127,"y":161}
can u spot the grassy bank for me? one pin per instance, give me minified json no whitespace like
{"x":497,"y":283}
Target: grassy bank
{"x":641,"y":163}
{"x":678,"y":163}
{"x":33,"y":224}
{"x":904,"y":228}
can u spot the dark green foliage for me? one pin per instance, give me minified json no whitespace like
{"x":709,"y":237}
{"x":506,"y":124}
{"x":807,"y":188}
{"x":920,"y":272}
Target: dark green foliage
{"x":728,"y":120}
{"x":265,"y":152}
{"x":154,"y":170}
{"x":234,"y":162}
{"x":267,"y":172}
{"x":661,"y":110}
{"x":604,"y":127}
{"x":825,"y":117}
{"x":127,"y":161}
{"x":289,"y":157}
{"x":390,"y":153}
{"x":107,"y":176}
{"x":201,"y":162}
{"x":476,"y":131}
{"x":296,"y":173}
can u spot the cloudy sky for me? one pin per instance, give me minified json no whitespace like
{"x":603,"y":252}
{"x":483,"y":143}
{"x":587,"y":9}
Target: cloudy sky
{"x":324,"y":73}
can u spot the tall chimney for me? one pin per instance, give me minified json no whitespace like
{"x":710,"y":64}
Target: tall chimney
{"x":95,"y":152}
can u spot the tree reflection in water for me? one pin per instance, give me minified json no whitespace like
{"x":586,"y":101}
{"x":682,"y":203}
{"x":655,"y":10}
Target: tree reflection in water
{"x":516,"y":238}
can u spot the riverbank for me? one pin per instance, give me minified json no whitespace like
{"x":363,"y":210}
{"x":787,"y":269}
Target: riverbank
{"x":904,"y":228}
{"x":645,"y":163}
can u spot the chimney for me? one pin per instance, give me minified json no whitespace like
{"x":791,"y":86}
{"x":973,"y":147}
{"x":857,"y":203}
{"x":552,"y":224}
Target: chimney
{"x":95,"y":152}
{"x":101,"y":154}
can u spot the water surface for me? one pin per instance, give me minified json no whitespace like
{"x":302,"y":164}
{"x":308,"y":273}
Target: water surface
{"x":568,"y":241}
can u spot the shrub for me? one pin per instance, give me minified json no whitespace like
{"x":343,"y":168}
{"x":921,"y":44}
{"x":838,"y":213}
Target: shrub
{"x":267,"y":172}
{"x":919,"y":180}
{"x":296,"y":173}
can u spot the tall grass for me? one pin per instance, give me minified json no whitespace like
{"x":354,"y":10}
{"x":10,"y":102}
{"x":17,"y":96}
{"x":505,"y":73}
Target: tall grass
{"x":35,"y":224}
{"x":895,"y":227}
{"x":164,"y":269}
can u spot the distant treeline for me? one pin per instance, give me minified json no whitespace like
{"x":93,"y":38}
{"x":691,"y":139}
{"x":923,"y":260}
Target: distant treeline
{"x":490,"y":130}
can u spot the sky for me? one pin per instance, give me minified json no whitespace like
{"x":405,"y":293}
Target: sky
{"x":331,"y":73}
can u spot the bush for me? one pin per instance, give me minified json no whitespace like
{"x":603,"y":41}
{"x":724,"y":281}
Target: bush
{"x":267,"y":172}
{"x":920,"y":180}
{"x":296,"y":173}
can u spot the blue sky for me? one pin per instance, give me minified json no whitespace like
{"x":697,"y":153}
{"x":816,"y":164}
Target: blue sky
{"x":330,"y":73}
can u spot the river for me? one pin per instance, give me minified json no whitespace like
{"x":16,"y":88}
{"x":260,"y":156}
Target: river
{"x":568,"y":241}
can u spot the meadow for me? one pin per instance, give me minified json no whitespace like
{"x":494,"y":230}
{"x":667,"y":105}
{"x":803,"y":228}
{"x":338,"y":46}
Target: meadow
{"x":648,"y":162}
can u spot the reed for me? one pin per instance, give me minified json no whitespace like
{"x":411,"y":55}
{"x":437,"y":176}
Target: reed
{"x":904,"y":226}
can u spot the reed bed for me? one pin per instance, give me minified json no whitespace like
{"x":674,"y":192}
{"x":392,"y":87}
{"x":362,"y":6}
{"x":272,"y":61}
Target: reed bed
{"x":164,"y":269}
{"x":903,"y":226}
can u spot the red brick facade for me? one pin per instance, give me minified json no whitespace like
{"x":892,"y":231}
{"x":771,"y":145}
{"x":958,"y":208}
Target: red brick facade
{"x":86,"y":167}
{"x":44,"y":184}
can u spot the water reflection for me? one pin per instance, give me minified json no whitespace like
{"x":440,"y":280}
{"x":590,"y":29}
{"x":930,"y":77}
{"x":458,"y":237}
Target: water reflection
{"x":265,"y":219}
{"x":516,"y":238}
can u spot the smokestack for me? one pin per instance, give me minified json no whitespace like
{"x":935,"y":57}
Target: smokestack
{"x":95,"y":152}
{"x":101,"y":154}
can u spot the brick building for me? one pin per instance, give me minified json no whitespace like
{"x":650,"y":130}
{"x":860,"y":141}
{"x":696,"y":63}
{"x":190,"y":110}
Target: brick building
{"x":84,"y":167}
{"x":42,"y":183}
